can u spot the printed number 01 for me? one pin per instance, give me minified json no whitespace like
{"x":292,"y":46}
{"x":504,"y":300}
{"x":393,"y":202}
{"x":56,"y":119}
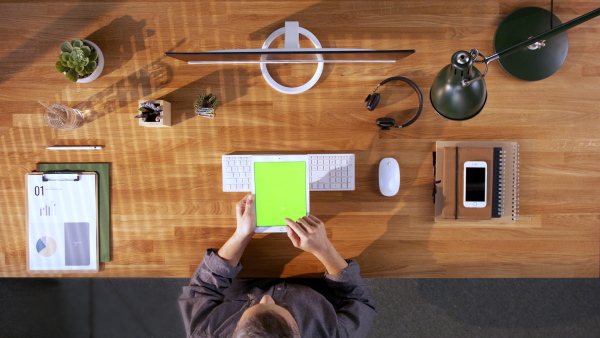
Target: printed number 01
{"x":38,"y":190}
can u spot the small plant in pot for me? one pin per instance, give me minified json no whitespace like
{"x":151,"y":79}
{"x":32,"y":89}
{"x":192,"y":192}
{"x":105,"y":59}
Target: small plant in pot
{"x":206,"y":105}
{"x":80,"y":60}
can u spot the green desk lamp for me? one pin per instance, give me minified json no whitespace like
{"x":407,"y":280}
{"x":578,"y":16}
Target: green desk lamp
{"x":458,"y":91}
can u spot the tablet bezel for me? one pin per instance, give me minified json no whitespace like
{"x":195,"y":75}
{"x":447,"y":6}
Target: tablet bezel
{"x":279,"y":158}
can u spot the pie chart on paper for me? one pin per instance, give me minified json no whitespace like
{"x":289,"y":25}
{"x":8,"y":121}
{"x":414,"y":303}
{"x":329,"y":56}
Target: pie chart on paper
{"x":46,"y":246}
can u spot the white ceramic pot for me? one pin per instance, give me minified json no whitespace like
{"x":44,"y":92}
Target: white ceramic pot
{"x":98,"y":70}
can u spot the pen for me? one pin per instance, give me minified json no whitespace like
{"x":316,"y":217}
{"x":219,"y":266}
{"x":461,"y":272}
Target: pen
{"x":74,"y":147}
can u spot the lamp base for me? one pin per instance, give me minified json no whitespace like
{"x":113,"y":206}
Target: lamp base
{"x":531,"y":64}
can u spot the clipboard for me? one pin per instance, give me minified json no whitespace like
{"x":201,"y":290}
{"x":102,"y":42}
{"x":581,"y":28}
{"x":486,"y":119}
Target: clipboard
{"x":62,"y":222}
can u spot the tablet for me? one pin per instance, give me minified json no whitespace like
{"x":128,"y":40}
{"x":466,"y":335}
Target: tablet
{"x":281,"y":190}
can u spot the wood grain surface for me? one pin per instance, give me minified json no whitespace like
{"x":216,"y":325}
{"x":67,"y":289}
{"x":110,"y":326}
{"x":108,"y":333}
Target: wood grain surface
{"x":167,"y":201}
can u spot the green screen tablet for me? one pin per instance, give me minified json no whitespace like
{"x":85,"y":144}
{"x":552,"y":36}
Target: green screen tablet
{"x":281,"y":190}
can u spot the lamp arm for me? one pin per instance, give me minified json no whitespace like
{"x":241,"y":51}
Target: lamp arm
{"x":538,"y":39}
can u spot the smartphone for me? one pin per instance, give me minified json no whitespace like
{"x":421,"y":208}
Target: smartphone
{"x":475,"y":184}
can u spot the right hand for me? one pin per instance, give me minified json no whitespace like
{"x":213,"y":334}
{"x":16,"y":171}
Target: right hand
{"x":308,"y":233}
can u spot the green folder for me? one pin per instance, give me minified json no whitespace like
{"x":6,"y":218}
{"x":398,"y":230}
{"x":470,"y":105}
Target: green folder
{"x":103,"y":171}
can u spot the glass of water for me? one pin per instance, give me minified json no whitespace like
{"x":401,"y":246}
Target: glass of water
{"x":58,"y":116}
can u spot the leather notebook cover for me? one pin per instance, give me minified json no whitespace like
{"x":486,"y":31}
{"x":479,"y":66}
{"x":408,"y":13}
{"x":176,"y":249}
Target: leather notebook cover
{"x":449,"y":183}
{"x":103,"y":171}
{"x":453,"y":182}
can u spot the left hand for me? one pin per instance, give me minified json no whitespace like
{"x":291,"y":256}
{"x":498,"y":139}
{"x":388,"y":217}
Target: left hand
{"x":246,"y":216}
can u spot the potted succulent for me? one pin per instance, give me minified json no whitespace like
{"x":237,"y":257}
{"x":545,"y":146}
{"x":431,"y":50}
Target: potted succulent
{"x":80,"y":60}
{"x":206,"y":105}
{"x":154,"y":113}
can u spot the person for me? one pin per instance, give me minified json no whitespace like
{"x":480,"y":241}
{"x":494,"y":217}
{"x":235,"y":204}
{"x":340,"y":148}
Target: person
{"x":216,"y":304}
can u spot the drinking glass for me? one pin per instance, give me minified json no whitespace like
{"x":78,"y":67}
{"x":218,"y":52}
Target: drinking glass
{"x":58,"y":116}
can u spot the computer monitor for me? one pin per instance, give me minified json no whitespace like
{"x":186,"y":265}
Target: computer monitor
{"x":301,"y":55}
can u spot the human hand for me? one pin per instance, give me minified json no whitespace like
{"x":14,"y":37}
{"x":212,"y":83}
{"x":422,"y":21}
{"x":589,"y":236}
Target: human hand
{"x":308,"y":234}
{"x":246,"y":216}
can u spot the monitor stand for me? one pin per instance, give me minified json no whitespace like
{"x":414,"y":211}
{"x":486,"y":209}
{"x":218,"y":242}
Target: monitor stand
{"x":291,"y":43}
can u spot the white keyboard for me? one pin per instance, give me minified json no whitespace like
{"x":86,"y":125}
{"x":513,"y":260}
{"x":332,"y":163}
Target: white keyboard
{"x":327,"y":172}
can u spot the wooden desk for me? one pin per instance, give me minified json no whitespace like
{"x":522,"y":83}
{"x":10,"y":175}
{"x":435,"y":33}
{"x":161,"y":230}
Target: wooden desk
{"x":167,"y":203}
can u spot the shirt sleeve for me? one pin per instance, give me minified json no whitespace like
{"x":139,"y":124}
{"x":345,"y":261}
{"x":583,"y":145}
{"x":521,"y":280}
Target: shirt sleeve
{"x":206,"y":290}
{"x":351,"y":297}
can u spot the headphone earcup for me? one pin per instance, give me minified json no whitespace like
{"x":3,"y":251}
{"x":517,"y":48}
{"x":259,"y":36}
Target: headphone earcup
{"x":372,"y":100}
{"x":385,"y":123}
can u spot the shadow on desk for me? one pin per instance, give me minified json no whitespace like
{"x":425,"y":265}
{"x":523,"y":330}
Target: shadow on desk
{"x":135,"y":86}
{"x":40,"y":40}
{"x":182,"y":100}
{"x":402,"y":247}
{"x":120,"y":40}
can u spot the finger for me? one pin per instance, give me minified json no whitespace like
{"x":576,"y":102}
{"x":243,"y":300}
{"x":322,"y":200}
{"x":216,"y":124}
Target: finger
{"x":309,"y":220}
{"x":239,"y":208}
{"x":306,"y":225}
{"x":293,"y":237}
{"x":249,"y":204}
{"x":243,"y":200}
{"x":298,"y":229}
{"x":316,"y":220}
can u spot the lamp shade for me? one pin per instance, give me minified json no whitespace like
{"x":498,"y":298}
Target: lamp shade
{"x":450,"y":98}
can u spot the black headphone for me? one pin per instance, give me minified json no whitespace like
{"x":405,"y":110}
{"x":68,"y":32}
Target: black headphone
{"x":385,"y":123}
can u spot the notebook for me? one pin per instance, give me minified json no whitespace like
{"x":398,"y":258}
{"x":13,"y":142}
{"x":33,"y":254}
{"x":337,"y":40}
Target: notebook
{"x":103,"y":171}
{"x":453,"y":182}
{"x":502,"y":159}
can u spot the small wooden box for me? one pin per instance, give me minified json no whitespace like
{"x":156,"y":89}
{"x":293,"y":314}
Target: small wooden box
{"x":165,"y":114}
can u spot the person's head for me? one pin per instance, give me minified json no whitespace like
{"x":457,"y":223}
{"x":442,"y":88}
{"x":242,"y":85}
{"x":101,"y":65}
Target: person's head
{"x":267,"y":319}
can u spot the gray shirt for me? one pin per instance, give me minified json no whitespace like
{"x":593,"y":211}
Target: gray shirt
{"x":337,"y":306}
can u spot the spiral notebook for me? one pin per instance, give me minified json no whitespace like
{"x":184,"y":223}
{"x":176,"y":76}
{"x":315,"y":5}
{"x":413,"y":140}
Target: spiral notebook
{"x":503,"y":188}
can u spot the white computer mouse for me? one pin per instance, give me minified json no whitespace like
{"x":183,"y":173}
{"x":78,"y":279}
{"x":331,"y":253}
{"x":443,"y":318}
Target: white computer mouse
{"x":389,"y":176}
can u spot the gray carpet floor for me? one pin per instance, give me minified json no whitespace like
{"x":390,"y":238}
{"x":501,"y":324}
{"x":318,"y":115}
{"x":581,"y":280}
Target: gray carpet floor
{"x":105,"y":307}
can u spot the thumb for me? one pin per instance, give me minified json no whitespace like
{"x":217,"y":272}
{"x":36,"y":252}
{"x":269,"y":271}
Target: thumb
{"x":250,"y":204}
{"x":239,"y":208}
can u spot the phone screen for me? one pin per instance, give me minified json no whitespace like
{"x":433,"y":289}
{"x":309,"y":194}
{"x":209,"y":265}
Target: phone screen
{"x":280,"y":189}
{"x":475,"y":184}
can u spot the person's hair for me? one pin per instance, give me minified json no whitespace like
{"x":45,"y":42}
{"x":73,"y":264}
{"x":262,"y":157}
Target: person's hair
{"x":265,"y":324}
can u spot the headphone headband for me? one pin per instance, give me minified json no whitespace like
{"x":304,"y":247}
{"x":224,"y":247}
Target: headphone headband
{"x":373,"y":99}
{"x":399,"y":78}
